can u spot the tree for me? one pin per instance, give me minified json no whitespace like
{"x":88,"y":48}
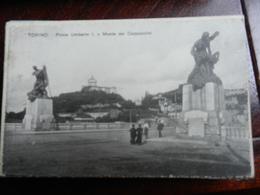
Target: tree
{"x":72,"y":102}
{"x":15,"y":117}
{"x":149,"y":102}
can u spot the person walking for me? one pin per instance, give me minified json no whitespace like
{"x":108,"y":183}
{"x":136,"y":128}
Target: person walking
{"x":139,"y":135}
{"x":132,"y":134}
{"x":146,"y":129}
{"x":160,"y":128}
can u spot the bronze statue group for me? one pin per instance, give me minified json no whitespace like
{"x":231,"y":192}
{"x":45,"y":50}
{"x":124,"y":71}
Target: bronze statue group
{"x":204,"y":62}
{"x":136,"y":134}
{"x":39,"y":88}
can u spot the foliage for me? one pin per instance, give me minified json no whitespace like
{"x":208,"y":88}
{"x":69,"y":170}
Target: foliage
{"x":128,"y":104}
{"x":72,"y":102}
{"x":149,"y":102}
{"x":15,"y":117}
{"x":105,"y":119}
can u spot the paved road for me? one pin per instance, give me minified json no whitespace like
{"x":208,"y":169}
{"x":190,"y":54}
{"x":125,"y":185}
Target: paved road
{"x":109,"y":153}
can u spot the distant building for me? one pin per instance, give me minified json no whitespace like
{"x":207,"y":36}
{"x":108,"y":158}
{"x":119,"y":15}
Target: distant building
{"x":230,"y":92}
{"x":158,"y":96}
{"x":235,"y":97}
{"x":236,"y":104}
{"x":138,"y":102}
{"x":170,"y":102}
{"x":92,"y":86}
{"x":92,"y":82}
{"x":113,"y":113}
{"x":95,"y":106}
{"x":83,"y":119}
{"x":97,"y":114}
{"x":72,"y":115}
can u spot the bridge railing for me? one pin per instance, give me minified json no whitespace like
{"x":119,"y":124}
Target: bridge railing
{"x":74,"y":126}
{"x":90,"y":126}
{"x":235,"y":132}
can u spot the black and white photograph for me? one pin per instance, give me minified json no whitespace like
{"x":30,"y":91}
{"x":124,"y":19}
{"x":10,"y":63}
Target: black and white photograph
{"x":127,"y":98}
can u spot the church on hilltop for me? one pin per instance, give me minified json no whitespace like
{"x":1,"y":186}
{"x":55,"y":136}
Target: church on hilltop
{"x":92,"y":86}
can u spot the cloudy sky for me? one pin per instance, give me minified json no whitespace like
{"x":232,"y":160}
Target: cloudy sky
{"x":156,"y":62}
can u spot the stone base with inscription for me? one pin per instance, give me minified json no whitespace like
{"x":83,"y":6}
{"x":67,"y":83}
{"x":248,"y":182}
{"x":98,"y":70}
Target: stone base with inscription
{"x":39,"y":115}
{"x":202,"y":111}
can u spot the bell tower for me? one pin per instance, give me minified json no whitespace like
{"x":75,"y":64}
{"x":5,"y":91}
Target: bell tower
{"x":92,"y":82}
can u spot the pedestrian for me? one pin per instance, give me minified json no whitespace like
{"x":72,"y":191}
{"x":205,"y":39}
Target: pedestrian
{"x":139,"y":135}
{"x":132,"y":134}
{"x":146,"y":129}
{"x":160,"y":128}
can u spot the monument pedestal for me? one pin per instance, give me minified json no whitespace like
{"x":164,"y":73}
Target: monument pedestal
{"x":39,"y":114}
{"x":202,"y":111}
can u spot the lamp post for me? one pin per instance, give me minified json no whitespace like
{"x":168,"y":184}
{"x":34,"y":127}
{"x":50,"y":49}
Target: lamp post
{"x":130,"y":117}
{"x":130,"y":114}
{"x":175,"y":105}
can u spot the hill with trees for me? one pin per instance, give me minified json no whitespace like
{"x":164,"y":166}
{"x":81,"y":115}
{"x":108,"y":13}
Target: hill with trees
{"x":72,"y":102}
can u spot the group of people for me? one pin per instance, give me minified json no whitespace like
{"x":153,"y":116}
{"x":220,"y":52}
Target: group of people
{"x":137,"y":133}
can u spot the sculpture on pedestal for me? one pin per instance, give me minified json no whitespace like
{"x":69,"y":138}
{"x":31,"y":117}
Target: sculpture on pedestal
{"x":203,"y":71}
{"x":203,"y":99}
{"x":41,"y":83}
{"x":39,"y":108}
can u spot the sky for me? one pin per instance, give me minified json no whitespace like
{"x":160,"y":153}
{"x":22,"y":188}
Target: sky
{"x":156,"y":61}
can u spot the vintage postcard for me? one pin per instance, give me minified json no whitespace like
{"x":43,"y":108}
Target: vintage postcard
{"x":127,"y":98}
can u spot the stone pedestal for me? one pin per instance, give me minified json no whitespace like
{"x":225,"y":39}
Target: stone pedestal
{"x":210,"y":97}
{"x":196,"y":121}
{"x":39,"y":115}
{"x":202,"y":110}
